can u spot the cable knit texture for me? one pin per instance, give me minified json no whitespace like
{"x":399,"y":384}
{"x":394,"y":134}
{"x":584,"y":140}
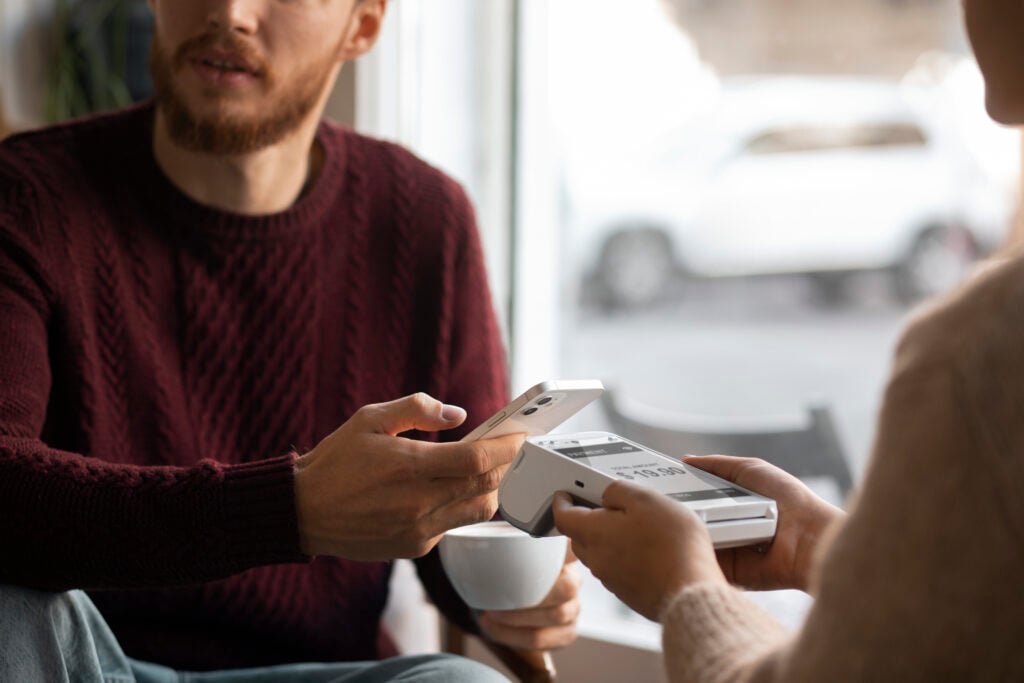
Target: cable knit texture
{"x":159,"y":360}
{"x":715,"y":634}
{"x":923,"y":581}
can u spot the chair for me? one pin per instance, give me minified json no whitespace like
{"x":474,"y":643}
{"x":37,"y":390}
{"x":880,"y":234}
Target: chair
{"x":528,"y":666}
{"x":4,"y":128}
{"x":807,"y":446}
{"x":410,"y":619}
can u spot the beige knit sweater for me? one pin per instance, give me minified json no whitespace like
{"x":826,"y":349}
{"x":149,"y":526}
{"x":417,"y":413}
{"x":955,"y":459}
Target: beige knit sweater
{"x":925,"y":579}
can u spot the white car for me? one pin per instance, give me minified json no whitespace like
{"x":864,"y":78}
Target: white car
{"x":817,"y":176}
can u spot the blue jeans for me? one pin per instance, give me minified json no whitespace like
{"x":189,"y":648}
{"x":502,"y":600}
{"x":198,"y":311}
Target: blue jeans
{"x":57,"y":637}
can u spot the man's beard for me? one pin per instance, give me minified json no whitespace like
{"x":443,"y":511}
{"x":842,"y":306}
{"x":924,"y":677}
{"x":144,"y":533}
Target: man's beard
{"x":219,"y":133}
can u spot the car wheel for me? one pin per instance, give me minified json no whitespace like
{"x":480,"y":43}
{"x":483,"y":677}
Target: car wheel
{"x":830,"y":290}
{"x":636,"y":267}
{"x":938,"y":259}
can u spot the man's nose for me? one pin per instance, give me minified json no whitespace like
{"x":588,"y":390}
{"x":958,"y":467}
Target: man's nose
{"x":242,"y":16}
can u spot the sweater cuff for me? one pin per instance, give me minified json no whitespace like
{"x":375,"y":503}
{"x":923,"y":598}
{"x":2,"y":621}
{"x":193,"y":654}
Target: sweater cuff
{"x":712,"y":632}
{"x":260,"y":512}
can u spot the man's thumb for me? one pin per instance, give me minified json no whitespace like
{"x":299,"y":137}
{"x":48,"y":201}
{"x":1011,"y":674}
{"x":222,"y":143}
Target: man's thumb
{"x":417,"y":411}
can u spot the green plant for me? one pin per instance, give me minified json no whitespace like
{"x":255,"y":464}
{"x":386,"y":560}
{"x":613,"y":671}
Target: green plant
{"x":90,"y":60}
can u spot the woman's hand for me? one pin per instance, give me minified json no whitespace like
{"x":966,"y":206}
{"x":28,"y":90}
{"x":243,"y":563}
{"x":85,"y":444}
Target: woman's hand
{"x":645,"y":547}
{"x":642,"y":545}
{"x":787,"y":560}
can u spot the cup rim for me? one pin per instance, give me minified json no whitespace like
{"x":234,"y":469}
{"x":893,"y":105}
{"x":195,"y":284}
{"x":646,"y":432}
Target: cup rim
{"x":465,"y":531}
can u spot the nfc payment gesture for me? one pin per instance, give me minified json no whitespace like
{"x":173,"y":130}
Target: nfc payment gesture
{"x":583,"y":464}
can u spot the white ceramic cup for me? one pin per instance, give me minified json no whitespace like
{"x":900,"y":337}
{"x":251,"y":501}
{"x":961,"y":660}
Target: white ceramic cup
{"x":494,"y":565}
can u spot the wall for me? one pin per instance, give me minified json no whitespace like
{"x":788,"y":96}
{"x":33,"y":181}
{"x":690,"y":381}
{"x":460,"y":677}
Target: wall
{"x":341,"y":106}
{"x":24,"y":47}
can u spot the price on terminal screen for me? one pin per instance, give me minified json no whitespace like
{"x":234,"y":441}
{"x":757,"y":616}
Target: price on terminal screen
{"x":650,"y":472}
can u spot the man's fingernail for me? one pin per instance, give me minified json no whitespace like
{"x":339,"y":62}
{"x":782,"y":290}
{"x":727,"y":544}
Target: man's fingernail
{"x":451,"y":413}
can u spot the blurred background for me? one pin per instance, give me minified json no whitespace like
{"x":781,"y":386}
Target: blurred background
{"x":719,"y":207}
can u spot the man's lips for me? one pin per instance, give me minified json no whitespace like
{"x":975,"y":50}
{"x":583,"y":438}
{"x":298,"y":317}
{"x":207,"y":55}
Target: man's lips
{"x":224,"y":69}
{"x":226,"y":66}
{"x":226,"y":62}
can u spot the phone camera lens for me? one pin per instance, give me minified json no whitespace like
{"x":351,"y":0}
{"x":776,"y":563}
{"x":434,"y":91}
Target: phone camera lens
{"x":546,"y":399}
{"x":529,"y":411}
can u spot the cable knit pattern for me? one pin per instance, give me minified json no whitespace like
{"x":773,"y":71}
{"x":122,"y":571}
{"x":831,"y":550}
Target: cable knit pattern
{"x":160,"y":401}
{"x":405,"y":243}
{"x":713,"y":633}
{"x":159,"y":359}
{"x":110,"y":340}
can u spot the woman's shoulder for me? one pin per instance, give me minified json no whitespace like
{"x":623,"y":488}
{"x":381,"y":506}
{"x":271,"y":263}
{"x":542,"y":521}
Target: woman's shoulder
{"x":984,"y":315}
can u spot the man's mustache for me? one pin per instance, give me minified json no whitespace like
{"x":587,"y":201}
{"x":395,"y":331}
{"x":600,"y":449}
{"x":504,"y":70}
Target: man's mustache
{"x":249,"y":56}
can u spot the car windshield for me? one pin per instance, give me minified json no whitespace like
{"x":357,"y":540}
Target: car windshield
{"x":774,"y":115}
{"x":823,"y":138}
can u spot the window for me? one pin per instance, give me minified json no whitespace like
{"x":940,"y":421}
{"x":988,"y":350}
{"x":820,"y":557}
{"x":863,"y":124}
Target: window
{"x":752,"y":194}
{"x":724,"y":208}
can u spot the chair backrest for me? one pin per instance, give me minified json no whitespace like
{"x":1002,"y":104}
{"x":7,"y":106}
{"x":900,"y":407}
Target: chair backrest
{"x":4,"y":130}
{"x":528,"y":666}
{"x":805,"y":445}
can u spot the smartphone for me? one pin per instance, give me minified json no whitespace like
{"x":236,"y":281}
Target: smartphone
{"x":585,"y":463}
{"x":539,"y":409}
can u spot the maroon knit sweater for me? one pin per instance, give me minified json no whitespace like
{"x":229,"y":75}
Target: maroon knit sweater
{"x":159,"y":359}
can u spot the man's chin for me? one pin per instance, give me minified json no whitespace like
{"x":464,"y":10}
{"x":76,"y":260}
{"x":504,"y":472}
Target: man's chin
{"x":225,"y":135}
{"x":231,"y":122}
{"x":220,"y":106}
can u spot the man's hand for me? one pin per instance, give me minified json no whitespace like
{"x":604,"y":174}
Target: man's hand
{"x":365,"y":493}
{"x":804,"y":518}
{"x":642,"y":545}
{"x":549,"y":625}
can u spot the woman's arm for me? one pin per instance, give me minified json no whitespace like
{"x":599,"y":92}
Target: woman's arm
{"x":922,"y":581}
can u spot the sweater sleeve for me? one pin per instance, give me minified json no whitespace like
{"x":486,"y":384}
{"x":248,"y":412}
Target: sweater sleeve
{"x":73,"y":520}
{"x":474,"y":354}
{"x":475,"y":361}
{"x":921,"y":583}
{"x":713,"y":633}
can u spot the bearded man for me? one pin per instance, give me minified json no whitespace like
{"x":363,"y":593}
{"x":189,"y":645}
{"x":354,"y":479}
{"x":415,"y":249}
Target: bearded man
{"x":195,"y":292}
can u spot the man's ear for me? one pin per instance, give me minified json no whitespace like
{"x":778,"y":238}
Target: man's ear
{"x":363,"y":28}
